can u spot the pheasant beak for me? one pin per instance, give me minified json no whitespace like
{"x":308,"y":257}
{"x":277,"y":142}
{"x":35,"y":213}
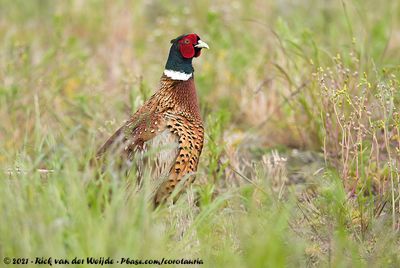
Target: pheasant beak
{"x":201,"y":44}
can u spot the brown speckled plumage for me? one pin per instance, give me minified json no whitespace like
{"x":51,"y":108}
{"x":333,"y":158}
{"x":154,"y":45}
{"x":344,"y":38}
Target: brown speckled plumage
{"x":173,"y":108}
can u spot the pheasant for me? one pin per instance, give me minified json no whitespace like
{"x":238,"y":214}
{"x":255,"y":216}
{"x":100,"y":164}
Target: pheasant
{"x":169,"y":121}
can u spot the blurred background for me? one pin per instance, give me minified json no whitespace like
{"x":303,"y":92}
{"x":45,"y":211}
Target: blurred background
{"x":75,"y":57}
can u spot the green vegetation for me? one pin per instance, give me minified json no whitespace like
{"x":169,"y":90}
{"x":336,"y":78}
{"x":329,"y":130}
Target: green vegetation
{"x":301,"y":103}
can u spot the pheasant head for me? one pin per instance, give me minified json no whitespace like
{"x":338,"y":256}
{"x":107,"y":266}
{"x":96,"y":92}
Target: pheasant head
{"x":184,"y":48}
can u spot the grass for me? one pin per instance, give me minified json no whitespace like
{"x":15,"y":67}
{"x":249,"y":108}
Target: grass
{"x":300,"y":100}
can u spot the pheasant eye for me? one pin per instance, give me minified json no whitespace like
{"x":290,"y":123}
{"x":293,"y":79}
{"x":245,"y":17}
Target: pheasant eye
{"x":186,"y":41}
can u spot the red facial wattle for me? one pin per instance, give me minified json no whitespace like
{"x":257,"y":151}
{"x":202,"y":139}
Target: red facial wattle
{"x":186,"y":46}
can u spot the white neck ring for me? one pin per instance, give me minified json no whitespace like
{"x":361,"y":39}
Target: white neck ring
{"x":175,"y":75}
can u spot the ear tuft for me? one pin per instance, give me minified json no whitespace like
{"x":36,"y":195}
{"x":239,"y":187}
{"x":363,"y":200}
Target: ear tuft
{"x":177,"y":39}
